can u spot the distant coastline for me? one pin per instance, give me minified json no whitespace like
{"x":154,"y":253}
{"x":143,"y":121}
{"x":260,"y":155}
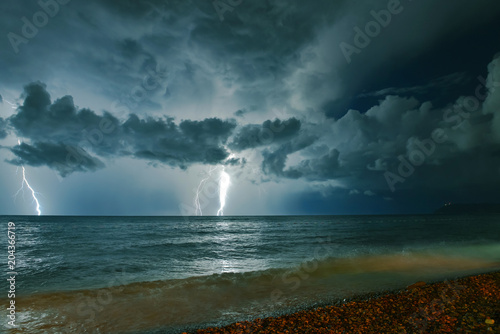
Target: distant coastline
{"x":468,"y":208}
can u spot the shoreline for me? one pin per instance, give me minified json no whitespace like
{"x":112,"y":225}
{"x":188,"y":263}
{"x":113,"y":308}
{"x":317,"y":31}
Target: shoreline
{"x":468,"y":304}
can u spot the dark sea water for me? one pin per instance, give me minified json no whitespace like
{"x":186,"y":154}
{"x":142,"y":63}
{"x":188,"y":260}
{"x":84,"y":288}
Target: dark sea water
{"x":157,"y":274}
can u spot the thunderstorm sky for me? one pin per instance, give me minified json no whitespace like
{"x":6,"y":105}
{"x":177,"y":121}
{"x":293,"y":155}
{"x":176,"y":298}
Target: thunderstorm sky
{"x":323,"y":107}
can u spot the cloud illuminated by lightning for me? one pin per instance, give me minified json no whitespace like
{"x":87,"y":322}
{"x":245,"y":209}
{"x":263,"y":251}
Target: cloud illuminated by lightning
{"x":33,"y":192}
{"x":224,"y":182}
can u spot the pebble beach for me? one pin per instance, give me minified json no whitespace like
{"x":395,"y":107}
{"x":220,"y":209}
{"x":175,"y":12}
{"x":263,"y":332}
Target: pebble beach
{"x":465,"y":305}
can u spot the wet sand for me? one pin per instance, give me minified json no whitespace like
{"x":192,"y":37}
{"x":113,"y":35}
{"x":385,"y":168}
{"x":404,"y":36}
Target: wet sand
{"x":465,"y":305}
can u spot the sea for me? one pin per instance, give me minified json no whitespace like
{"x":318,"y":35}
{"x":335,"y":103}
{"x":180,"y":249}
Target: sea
{"x":174,"y":274}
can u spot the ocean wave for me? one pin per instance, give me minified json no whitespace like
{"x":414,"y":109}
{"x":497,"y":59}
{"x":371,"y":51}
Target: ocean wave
{"x":221,"y":298}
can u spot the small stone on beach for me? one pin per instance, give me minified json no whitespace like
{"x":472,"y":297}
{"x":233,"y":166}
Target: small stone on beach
{"x":416,"y":285}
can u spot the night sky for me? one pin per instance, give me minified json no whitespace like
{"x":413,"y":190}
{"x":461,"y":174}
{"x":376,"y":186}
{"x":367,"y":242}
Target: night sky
{"x":323,"y":107}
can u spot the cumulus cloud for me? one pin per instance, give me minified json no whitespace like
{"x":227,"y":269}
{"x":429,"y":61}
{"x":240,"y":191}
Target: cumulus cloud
{"x":65,"y":159}
{"x":40,"y":120}
{"x":356,"y":149}
{"x":3,"y":128}
{"x":274,"y":162}
{"x":441,"y":144}
{"x":178,"y":145}
{"x":69,"y":139}
{"x":252,"y":135}
{"x":63,"y":134}
{"x":240,"y":113}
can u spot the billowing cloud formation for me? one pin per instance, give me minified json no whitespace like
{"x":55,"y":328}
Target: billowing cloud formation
{"x":63,"y":158}
{"x":403,"y":143}
{"x":41,"y":120}
{"x":3,"y":128}
{"x":3,"y":124}
{"x":252,"y":136}
{"x":375,"y":151}
{"x":64,"y":137}
{"x":189,"y":142}
{"x":274,"y":162}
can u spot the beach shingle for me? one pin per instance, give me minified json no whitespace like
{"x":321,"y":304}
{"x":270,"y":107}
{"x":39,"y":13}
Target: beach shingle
{"x":466,"y":305}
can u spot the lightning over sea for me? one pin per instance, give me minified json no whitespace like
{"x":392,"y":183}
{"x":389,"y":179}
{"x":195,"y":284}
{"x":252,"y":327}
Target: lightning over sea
{"x":32,"y":191}
{"x":223,"y":182}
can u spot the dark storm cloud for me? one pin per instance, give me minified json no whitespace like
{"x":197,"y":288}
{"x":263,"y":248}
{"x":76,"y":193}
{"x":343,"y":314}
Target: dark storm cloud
{"x":259,"y":46}
{"x":3,"y":124}
{"x":240,"y":113}
{"x":183,"y":144}
{"x":61,"y":131}
{"x":39,"y":119}
{"x":65,"y":159}
{"x":252,"y":136}
{"x":210,"y":130}
{"x":131,"y":48}
{"x":274,"y":161}
{"x":443,"y":83}
{"x":324,"y":167}
{"x":3,"y":128}
{"x":445,"y":149}
{"x":347,"y":146}
{"x":433,"y":48}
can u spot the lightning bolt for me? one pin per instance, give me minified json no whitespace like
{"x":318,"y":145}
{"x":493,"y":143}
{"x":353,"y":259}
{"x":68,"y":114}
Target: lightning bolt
{"x":33,"y":192}
{"x":25,"y":180}
{"x":224,"y":182}
{"x":198,"y":192}
{"x":12,"y":105}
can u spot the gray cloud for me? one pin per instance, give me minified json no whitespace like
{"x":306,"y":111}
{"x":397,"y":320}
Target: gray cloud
{"x":240,"y":112}
{"x":323,"y":168}
{"x":438,"y":84}
{"x":252,"y":135}
{"x":59,"y":128}
{"x":274,"y":161}
{"x":3,"y":128}
{"x":359,"y":148}
{"x":39,"y":119}
{"x":182,"y":145}
{"x":63,"y":158}
{"x":258,"y":46}
{"x":326,"y":81}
